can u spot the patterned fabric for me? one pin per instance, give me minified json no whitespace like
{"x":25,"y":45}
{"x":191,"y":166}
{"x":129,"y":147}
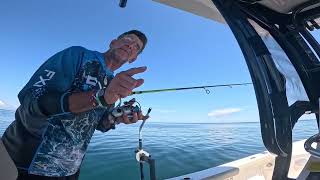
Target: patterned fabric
{"x":64,"y":143}
{"x":67,"y":135}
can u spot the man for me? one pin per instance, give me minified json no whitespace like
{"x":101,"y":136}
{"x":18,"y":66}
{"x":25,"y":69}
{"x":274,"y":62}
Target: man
{"x":67,"y":98}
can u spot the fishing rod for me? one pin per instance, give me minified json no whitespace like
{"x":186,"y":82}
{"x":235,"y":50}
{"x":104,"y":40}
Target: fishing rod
{"x":186,"y":88}
{"x":142,"y":156}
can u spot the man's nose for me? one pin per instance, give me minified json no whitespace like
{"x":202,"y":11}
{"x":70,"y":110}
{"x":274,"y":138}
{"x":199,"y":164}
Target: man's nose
{"x":131,"y":45}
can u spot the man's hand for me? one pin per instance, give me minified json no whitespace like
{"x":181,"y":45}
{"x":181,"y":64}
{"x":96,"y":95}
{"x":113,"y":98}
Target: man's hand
{"x":125,"y":119}
{"x":132,"y":118}
{"x":122,"y":85}
{"x":135,"y":117}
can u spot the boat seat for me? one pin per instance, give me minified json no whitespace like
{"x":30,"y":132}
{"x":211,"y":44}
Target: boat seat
{"x":7,"y":168}
{"x":311,"y":171}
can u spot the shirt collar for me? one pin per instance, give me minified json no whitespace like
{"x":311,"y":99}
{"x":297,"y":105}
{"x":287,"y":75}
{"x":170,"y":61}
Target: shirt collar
{"x":100,"y":56}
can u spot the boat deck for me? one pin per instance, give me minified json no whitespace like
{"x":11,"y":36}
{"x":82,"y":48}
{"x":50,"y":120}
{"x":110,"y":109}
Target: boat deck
{"x":260,"y":167}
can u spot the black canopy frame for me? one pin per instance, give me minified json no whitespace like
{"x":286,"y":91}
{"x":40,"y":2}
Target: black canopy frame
{"x":277,"y":119}
{"x":291,"y":31}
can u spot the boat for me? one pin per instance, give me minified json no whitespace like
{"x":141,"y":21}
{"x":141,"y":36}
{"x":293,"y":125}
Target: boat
{"x":256,"y":167}
{"x":282,"y":56}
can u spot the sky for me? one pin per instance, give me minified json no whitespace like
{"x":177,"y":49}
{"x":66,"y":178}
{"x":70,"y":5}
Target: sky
{"x":183,"y":50}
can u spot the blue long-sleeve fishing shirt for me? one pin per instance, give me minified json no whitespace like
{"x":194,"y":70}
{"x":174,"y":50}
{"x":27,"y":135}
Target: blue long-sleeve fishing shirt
{"x":45,"y":138}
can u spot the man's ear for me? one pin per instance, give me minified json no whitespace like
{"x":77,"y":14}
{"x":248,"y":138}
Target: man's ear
{"x":112,"y":43}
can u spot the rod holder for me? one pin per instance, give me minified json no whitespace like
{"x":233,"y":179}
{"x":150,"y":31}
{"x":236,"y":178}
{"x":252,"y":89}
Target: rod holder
{"x":142,"y":156}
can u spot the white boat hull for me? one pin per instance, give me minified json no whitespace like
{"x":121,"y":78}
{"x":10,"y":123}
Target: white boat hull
{"x":258,"y":167}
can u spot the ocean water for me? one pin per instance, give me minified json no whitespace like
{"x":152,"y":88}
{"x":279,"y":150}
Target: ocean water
{"x":178,"y":148}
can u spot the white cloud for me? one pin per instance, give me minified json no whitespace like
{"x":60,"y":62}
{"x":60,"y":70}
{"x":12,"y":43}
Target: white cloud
{"x":4,"y":105}
{"x":218,"y":113}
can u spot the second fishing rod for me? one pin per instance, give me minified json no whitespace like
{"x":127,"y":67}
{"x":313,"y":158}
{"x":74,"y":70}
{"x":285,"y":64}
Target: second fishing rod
{"x":188,"y":88}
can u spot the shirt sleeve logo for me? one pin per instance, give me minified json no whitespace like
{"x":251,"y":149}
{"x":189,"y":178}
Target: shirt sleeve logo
{"x":43,"y":80}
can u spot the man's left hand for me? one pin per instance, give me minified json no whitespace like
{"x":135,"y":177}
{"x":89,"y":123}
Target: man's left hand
{"x":136,"y":116}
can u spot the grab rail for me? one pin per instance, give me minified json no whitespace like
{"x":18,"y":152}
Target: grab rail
{"x":307,"y":145}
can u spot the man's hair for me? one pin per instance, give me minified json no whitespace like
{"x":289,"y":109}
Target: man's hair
{"x":140,"y":35}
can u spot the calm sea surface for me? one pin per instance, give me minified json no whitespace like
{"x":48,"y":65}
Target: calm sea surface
{"x":178,"y":148}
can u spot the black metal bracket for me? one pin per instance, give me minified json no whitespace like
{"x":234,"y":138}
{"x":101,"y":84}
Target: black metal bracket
{"x":276,"y":118}
{"x":152,"y":166}
{"x":123,"y":3}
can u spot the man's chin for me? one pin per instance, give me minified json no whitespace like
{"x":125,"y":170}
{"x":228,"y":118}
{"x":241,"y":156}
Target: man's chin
{"x":120,"y":58}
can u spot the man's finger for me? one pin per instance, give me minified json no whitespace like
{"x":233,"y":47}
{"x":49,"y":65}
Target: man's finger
{"x":145,"y":117}
{"x":140,"y":115}
{"x":134,"y":71}
{"x":125,"y":119}
{"x":123,"y":91}
{"x":139,"y":82}
{"x":128,"y":85}
{"x":134,"y":118}
{"x":129,"y":80}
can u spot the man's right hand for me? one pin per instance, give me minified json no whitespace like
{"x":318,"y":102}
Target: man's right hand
{"x":122,"y":84}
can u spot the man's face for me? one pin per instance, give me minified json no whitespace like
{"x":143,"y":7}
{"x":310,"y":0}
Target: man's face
{"x":126,"y":48}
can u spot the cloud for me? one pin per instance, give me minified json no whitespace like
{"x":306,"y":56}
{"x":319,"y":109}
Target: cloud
{"x":4,"y":105}
{"x":218,"y":113}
